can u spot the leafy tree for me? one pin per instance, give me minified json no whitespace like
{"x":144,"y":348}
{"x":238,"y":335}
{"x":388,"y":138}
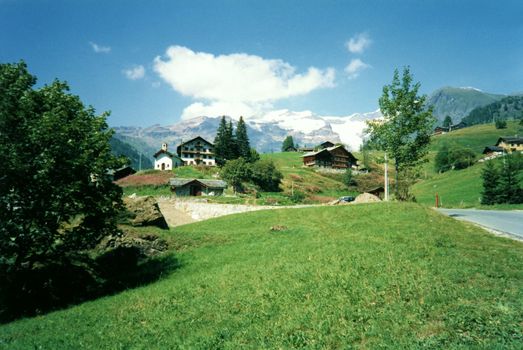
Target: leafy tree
{"x":501,"y":124}
{"x":220,"y":143}
{"x":266,"y":176}
{"x":442,"y":161}
{"x":407,"y":126}
{"x":348,"y":178}
{"x":288,"y":144}
{"x":490,"y":176}
{"x":242,"y":140}
{"x":235,"y":172}
{"x":447,"y":122}
{"x":56,"y":198}
{"x":461,"y":157}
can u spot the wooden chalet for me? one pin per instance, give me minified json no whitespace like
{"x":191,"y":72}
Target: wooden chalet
{"x":336,"y":157}
{"x":197,"y":187}
{"x":510,"y":144}
{"x":326,"y":144}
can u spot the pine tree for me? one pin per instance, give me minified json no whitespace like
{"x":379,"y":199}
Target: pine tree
{"x":447,"y":122}
{"x":508,"y":189}
{"x":491,"y":179}
{"x":220,"y":146}
{"x":288,"y":144}
{"x":231,"y":150}
{"x":242,"y":141}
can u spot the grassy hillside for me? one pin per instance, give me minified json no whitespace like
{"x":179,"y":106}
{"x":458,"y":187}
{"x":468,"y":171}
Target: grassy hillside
{"x":461,"y":188}
{"x":370,"y":276}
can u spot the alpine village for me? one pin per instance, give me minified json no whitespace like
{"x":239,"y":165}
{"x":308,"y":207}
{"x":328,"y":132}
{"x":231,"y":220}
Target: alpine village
{"x":238,"y":196}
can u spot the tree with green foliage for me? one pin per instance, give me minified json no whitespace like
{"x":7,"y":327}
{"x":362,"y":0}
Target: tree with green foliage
{"x":231,"y":150}
{"x":288,"y":144}
{"x":254,"y":156}
{"x":490,"y":177}
{"x":509,"y":190}
{"x":242,"y":140}
{"x":461,"y":157}
{"x":236,"y":171}
{"x":56,"y":197}
{"x":447,"y":122}
{"x":348,"y":178}
{"x":501,"y":123}
{"x":266,"y":175}
{"x":405,"y":131}
{"x":220,"y":143}
{"x":442,"y":161}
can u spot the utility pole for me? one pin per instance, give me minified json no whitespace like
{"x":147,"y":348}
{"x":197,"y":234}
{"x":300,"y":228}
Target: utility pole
{"x":140,"y":163}
{"x":386,"y":178}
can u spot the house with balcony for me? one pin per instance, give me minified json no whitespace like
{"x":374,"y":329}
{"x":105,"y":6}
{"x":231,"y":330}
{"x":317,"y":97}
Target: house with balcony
{"x":336,"y":157}
{"x":197,"y":151}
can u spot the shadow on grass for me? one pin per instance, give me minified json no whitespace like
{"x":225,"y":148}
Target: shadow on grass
{"x":77,"y":279}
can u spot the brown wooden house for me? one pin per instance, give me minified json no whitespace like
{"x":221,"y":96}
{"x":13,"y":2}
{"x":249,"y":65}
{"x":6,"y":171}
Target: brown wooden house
{"x":336,"y":157}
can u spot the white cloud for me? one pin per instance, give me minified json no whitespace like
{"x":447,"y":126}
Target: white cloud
{"x":100,"y":49}
{"x":239,"y":81}
{"x":134,"y":73}
{"x":359,"y":43}
{"x":354,"y":67}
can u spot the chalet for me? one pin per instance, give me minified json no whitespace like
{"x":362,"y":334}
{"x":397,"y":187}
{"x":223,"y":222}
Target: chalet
{"x":510,"y":144}
{"x":336,"y":157}
{"x":197,"y":151}
{"x":493,"y":150}
{"x":326,"y":144}
{"x":197,"y":187}
{"x":444,"y":129}
{"x":165,"y":160}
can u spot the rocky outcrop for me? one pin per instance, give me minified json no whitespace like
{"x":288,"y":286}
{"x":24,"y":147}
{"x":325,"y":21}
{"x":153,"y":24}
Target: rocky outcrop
{"x":144,"y":211}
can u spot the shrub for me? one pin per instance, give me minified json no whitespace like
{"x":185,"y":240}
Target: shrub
{"x":501,"y":124}
{"x":266,"y":176}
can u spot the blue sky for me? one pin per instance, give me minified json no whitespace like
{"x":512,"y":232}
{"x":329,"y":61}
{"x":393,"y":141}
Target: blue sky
{"x":254,"y":56}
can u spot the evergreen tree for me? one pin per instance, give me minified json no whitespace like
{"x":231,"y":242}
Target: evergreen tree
{"x":220,"y":143}
{"x":231,"y":150}
{"x":288,"y":144}
{"x":242,"y":140}
{"x":508,"y":189}
{"x":490,"y":176}
{"x":447,"y":122}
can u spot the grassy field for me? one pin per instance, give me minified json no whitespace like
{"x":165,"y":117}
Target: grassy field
{"x":363,"y":276}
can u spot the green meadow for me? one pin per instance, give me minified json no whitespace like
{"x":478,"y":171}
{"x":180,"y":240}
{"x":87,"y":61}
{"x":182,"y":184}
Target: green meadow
{"x":383,"y":275}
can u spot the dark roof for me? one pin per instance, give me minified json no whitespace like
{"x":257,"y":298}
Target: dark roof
{"x":180,"y":182}
{"x":329,"y":149}
{"x":163,"y":151}
{"x":197,"y":137}
{"x":326,"y":144}
{"x":489,"y":149}
{"x":511,"y":139}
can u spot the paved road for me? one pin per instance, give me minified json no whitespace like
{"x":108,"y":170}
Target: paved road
{"x":510,"y":222}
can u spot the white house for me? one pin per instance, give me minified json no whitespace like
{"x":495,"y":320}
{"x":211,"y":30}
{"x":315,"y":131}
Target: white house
{"x":165,"y":160}
{"x":197,"y":151}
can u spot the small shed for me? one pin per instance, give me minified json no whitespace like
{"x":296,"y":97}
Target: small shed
{"x":122,"y":172}
{"x":492,"y":150}
{"x":197,"y":187}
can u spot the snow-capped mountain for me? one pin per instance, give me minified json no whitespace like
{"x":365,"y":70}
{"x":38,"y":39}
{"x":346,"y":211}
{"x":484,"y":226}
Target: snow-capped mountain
{"x":266,"y":132}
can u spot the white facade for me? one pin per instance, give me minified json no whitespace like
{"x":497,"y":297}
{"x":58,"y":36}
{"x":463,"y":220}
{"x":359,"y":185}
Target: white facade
{"x":163,"y":162}
{"x":197,"y":152}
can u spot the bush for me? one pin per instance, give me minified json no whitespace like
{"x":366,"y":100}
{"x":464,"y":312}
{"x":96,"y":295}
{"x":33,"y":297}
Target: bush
{"x":457,"y":157}
{"x":297,"y":197}
{"x":501,"y":124}
{"x":266,"y":176}
{"x":235,"y":172}
{"x":348,"y":178}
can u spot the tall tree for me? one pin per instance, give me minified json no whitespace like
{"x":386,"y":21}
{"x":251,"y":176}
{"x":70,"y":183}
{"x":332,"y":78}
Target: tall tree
{"x":288,"y":144}
{"x":242,"y":140}
{"x":406,"y":128}
{"x":231,"y":150}
{"x":220,"y":143}
{"x":56,"y":199}
{"x":509,"y":189}
{"x":490,"y":176}
{"x":447,"y":122}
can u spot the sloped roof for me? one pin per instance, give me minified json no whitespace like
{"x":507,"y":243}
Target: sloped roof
{"x":511,"y":139}
{"x":179,"y":182}
{"x":195,"y":138}
{"x":489,"y":149}
{"x":163,"y":151}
